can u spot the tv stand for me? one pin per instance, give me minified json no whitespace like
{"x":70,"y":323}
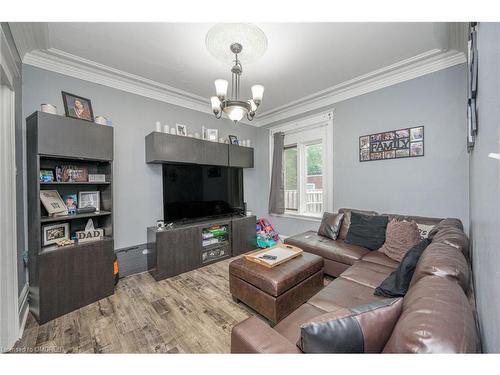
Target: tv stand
{"x":191,"y":245}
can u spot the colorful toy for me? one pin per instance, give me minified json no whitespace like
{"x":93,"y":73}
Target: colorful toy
{"x":266,"y":235}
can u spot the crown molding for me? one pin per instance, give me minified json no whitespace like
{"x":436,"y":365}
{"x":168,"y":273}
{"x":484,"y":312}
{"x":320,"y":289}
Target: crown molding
{"x":75,"y":66}
{"x":417,"y":66}
{"x":30,"y":36}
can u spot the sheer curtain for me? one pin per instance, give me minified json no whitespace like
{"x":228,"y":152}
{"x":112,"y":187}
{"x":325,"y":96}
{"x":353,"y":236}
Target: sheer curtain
{"x":277,"y":193}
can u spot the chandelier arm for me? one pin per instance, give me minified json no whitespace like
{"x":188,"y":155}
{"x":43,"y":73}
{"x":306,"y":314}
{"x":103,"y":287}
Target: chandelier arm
{"x":218,"y":115}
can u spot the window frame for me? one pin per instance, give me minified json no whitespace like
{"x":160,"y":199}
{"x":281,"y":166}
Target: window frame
{"x":324,"y":122}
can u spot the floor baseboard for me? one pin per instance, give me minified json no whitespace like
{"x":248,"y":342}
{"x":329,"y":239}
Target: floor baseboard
{"x":23,"y":308}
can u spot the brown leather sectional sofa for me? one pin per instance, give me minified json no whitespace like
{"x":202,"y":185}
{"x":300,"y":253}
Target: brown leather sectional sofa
{"x":437,"y":315}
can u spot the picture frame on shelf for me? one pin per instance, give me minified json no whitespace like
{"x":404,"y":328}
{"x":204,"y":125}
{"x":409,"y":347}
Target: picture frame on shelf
{"x":100,"y":177}
{"x":47,"y":175}
{"x":181,"y":130}
{"x":89,"y":199}
{"x":53,"y":233}
{"x":234,"y":140}
{"x":210,"y":134}
{"x":72,"y":173}
{"x":53,"y":202}
{"x":71,"y":202}
{"x":78,"y":107}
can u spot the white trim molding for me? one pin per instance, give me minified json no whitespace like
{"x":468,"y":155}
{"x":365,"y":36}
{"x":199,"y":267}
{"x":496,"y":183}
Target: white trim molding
{"x":65,"y":63}
{"x":30,"y":36}
{"x":420,"y":65}
{"x":61,"y":62}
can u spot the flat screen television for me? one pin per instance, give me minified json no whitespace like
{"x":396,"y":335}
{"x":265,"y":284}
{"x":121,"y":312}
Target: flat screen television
{"x":200,"y":191}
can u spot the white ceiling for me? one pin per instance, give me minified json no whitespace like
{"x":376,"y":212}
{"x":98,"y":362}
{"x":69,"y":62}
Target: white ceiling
{"x":302,"y":58}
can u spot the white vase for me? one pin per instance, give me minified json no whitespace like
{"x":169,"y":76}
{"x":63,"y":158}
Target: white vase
{"x":249,"y":143}
{"x":166,"y":129}
{"x":158,"y":126}
{"x":172,"y":131}
{"x":197,"y":135}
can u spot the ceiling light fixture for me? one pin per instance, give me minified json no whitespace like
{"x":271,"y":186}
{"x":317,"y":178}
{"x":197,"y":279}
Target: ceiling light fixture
{"x":234,"y":35}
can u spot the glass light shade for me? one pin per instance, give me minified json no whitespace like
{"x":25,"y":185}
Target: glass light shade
{"x":215,"y":103}
{"x":221,"y":87}
{"x":235,"y":113}
{"x":257,"y":93}
{"x":253,"y":106}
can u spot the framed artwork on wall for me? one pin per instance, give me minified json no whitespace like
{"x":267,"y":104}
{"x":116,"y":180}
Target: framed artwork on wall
{"x":394,"y":144}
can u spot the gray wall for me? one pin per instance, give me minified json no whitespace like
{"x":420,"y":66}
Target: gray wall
{"x":137,"y":185}
{"x":433,"y":185}
{"x":22,"y":274}
{"x":485,"y":189}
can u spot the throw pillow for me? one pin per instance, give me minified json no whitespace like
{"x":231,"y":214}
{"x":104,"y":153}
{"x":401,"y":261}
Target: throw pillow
{"x":397,"y":283}
{"x":367,"y":231}
{"x":400,"y":237}
{"x":330,"y":225}
{"x":361,"y":329}
{"x":346,"y":222}
{"x":424,"y":229}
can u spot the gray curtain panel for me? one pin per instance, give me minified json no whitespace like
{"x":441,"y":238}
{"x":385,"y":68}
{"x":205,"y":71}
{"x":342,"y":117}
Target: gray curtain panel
{"x":277,"y":193}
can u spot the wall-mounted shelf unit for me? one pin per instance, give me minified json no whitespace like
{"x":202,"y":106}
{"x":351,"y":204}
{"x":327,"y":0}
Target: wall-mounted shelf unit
{"x":167,"y":148}
{"x":63,"y":279}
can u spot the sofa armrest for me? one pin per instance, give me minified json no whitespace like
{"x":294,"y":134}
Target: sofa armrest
{"x":254,"y":336}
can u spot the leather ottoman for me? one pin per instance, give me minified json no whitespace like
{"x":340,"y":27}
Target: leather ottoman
{"x":276,"y":292}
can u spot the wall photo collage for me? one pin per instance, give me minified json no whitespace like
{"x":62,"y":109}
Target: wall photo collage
{"x":395,"y":144}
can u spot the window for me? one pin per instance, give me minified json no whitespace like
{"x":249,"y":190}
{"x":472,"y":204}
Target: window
{"x":291,"y":180}
{"x":305,"y":172}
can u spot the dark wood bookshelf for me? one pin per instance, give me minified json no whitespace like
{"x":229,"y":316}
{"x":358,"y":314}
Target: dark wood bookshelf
{"x":63,"y":279}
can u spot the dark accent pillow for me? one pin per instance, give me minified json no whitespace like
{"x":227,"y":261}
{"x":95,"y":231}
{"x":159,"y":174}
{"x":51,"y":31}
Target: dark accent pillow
{"x":361,"y":329}
{"x":398,"y":282}
{"x":367,"y":231}
{"x":330,"y":225}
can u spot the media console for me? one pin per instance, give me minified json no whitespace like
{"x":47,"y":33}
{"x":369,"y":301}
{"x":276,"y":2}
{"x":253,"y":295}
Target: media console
{"x":192,"y":245}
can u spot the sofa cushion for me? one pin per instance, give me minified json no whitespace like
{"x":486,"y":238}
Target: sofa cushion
{"x":276,"y":281}
{"x":400,"y":237}
{"x":325,"y":247}
{"x":367,"y":273}
{"x":453,"y":237}
{"x":290,"y":326}
{"x":436,"y":318}
{"x":398,"y":282}
{"x":346,"y":222}
{"x":444,"y":261}
{"x":379,"y":258}
{"x":361,"y":329}
{"x":342,"y":293}
{"x":367,"y":231}
{"x":330,"y":225}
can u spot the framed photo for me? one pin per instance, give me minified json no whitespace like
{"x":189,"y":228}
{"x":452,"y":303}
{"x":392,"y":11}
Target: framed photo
{"x":77,"y":107}
{"x":53,"y":202}
{"x":47,"y":175}
{"x":233,"y":140}
{"x":71,"y":202}
{"x":89,"y":199}
{"x":54,"y":232}
{"x":72,"y":173}
{"x":181,"y":129}
{"x":210,"y":134}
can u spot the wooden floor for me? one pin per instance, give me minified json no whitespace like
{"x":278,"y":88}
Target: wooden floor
{"x":189,"y":313}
